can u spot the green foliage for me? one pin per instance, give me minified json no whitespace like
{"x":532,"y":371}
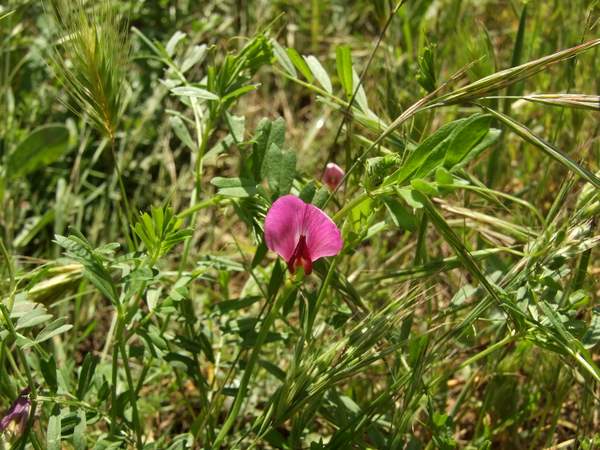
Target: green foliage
{"x":160,"y":231}
{"x":43,"y":146}
{"x":94,"y":261}
{"x":462,"y":311}
{"x":451,"y":146}
{"x":344,"y":68}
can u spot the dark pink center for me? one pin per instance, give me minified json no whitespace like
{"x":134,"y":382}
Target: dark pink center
{"x":300,"y":257}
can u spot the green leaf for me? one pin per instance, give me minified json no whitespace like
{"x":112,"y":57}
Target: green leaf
{"x":300,"y":64}
{"x":402,"y":217}
{"x":53,"y":329}
{"x":426,"y":76}
{"x":177,"y":37}
{"x":517,"y":56}
{"x":79,"y":438}
{"x":452,"y":146}
{"x":408,"y":195}
{"x":32,"y":227}
{"x":160,"y":231}
{"x":319,"y":72}
{"x":33,"y":318}
{"x":424,"y":186}
{"x":194,"y":56}
{"x":80,"y":250}
{"x":465,"y":137}
{"x":344,"y":68}
{"x":488,"y":140}
{"x":42,"y":147}
{"x":361,"y":96}
{"x":434,"y":160}
{"x":442,"y":176}
{"x":308,"y":192}
{"x":419,"y":155}
{"x":272,"y":369}
{"x":267,"y":133}
{"x":283,"y":58}
{"x":86,"y":375}
{"x":360,"y":214}
{"x":194,"y":92}
{"x":182,"y":132}
{"x":591,"y":338}
{"x":234,"y":187}
{"x":321,"y":197}
{"x":48,"y":369}
{"x":237,"y":126}
{"x":53,"y":433}
{"x":279,"y":168}
{"x":236,"y":93}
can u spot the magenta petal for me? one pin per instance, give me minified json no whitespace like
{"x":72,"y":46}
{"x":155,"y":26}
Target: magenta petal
{"x":323,"y":237}
{"x":283,"y":225}
{"x":290,"y":219}
{"x":18,"y":411}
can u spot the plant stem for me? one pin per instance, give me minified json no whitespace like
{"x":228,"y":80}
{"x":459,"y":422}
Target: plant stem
{"x":241,"y":394}
{"x":129,"y":235}
{"x":203,"y":136}
{"x":120,"y":346}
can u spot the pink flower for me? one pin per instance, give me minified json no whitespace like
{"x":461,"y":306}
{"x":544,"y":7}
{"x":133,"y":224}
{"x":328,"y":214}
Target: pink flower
{"x":300,"y":233}
{"x":333,"y":175}
{"x":18,"y":412}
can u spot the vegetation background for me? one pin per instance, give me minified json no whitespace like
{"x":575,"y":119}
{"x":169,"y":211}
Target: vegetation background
{"x":143,"y":141}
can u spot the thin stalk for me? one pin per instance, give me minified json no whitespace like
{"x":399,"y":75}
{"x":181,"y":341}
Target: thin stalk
{"x":241,"y":394}
{"x":350,"y":206}
{"x":264,"y":310}
{"x":130,"y":236}
{"x":321,"y":296}
{"x":361,"y":78}
{"x":120,"y":346}
{"x":491,"y":349}
{"x":113,"y":389}
{"x":11,"y":275}
{"x":214,"y":201}
{"x":203,"y":136}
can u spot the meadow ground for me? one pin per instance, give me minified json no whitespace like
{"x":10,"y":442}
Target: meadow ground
{"x":181,"y":268}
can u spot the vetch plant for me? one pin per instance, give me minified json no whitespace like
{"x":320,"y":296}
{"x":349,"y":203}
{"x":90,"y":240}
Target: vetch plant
{"x":452,"y":280}
{"x":301,"y":233}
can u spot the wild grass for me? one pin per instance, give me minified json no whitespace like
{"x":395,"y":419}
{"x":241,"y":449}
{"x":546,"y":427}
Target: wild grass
{"x":142,"y":144}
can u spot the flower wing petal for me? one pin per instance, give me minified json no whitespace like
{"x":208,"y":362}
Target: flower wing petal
{"x":323,"y":237}
{"x":283,"y":225}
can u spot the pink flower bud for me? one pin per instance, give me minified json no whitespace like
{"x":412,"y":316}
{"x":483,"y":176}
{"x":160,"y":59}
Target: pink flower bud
{"x":333,"y":175}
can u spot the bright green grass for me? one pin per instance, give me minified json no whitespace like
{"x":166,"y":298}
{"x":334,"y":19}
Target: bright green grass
{"x":139,"y":301}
